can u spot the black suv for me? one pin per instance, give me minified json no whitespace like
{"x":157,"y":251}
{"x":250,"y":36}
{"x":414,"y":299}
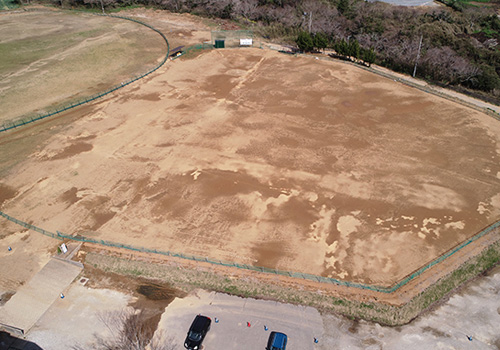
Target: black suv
{"x":197,"y":332}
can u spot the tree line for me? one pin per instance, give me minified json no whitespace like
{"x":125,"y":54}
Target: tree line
{"x":460,"y":43}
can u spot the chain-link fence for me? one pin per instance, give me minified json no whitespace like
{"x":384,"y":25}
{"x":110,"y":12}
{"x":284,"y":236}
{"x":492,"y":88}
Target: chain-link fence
{"x":494,"y":228}
{"x":69,"y":105}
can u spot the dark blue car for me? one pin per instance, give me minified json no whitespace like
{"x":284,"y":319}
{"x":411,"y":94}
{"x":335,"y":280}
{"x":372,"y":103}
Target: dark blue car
{"x":277,"y":341}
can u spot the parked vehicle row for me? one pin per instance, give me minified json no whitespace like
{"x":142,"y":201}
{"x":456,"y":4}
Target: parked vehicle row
{"x":201,"y":325}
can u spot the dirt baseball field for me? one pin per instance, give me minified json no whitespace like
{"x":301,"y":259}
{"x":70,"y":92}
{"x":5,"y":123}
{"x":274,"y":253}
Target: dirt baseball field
{"x":256,"y":157}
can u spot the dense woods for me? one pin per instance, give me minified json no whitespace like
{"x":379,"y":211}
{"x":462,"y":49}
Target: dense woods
{"x":459,"y":41}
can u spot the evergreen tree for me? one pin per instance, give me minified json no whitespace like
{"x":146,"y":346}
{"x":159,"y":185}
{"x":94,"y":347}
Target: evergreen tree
{"x":341,"y":47}
{"x":353,"y":48}
{"x":305,"y":41}
{"x":369,"y":56}
{"x":320,"y":41}
{"x":343,"y":6}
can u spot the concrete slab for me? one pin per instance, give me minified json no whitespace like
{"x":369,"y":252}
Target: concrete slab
{"x":33,"y":299}
{"x":75,"y":319}
{"x":301,"y":324}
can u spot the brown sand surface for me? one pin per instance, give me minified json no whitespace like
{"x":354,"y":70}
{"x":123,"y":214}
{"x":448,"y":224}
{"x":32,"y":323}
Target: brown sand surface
{"x":260,"y":158}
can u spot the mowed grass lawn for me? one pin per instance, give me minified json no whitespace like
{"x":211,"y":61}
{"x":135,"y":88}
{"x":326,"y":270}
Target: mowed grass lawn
{"x":48,"y":58}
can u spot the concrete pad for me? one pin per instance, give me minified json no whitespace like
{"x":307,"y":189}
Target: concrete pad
{"x":75,"y":319}
{"x":33,"y":299}
{"x":300,"y":323}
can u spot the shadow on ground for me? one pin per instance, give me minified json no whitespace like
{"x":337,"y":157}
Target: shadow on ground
{"x":8,"y":342}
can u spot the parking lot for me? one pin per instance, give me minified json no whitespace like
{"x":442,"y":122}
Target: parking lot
{"x":242,"y":322}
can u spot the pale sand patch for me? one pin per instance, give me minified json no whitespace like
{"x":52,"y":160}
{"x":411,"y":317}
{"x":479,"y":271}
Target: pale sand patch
{"x":459,"y":225}
{"x":428,"y":221}
{"x":347,"y":224}
{"x":30,"y":252}
{"x":258,"y":205}
{"x":345,"y":183}
{"x":495,"y":206}
{"x":195,"y":174}
{"x":429,"y":230}
{"x":482,"y":208}
{"x":321,"y":227}
{"x":435,"y":197}
{"x":369,"y":257}
{"x":331,"y":260}
{"x":311,"y":196}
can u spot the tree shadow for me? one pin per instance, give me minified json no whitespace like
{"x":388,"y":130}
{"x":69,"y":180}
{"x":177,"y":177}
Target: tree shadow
{"x":8,"y":342}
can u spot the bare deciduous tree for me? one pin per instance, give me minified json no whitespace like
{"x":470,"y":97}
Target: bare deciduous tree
{"x":129,"y":330}
{"x":446,"y":64}
{"x":246,"y":8}
{"x":101,"y":3}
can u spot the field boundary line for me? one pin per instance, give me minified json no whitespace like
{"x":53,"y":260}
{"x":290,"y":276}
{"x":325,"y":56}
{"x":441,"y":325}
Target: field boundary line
{"x":33,"y":118}
{"x":79,"y":238}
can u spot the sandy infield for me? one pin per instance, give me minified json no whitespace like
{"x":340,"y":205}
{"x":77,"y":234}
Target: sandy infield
{"x":256,"y":157}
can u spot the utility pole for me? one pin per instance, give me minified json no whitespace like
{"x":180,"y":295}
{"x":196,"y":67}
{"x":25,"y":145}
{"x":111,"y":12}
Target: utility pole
{"x":418,"y":55}
{"x":310,"y":21}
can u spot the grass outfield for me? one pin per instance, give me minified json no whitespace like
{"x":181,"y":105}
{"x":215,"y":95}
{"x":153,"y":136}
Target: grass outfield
{"x":51,"y":57}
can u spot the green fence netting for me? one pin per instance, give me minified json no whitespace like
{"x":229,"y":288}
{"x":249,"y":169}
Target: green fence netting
{"x":32,"y":118}
{"x":322,"y":279}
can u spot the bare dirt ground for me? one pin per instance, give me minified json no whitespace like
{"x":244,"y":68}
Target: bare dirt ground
{"x":255,"y":157}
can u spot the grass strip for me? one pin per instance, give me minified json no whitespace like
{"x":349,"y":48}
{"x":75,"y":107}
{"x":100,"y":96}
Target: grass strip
{"x":189,"y":279}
